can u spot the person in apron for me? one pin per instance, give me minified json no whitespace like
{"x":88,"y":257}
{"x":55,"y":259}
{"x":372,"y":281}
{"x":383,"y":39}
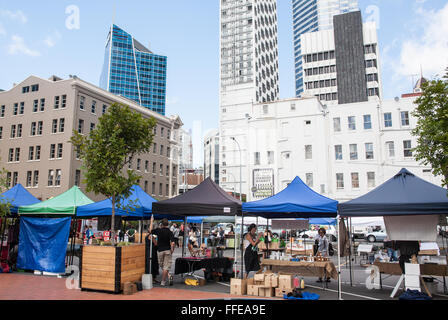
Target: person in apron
{"x":251,"y":241}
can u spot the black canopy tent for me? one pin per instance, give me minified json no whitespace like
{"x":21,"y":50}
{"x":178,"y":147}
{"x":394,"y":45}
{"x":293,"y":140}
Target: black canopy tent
{"x":207,"y":199}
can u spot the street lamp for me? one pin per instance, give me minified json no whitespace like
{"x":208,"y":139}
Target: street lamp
{"x":241,"y":166}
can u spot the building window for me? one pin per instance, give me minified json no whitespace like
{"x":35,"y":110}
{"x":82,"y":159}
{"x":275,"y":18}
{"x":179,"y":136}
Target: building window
{"x":167,"y":190}
{"x":16,"y":109}
{"x":40,"y":125}
{"x":153,"y":189}
{"x":11,"y":155}
{"x":52,"y":151}
{"x":61,"y":124}
{"x":139,"y":162}
{"x":56,"y":102}
{"x":50,"y":178}
{"x":60,"y":145}
{"x":404,"y":118}
{"x":81,"y":102}
{"x":388,"y":120}
{"x":161,"y":150}
{"x":162,"y":130}
{"x":154,"y":168}
{"x":270,"y":157}
{"x":92,"y":126}
{"x":35,"y":87}
{"x":337,"y":124}
{"x":31,"y":153}
{"x":371,"y":179}
{"x":309,"y":180}
{"x":146,"y":166}
{"x":28,"y":178}
{"x":351,"y":123}
{"x":54,"y":127}
{"x":390,"y":147}
{"x":161,"y":169}
{"x":167,"y":173}
{"x":8,"y":179}
{"x":80,"y":126}
{"x":369,"y":151}
{"x":33,"y":128}
{"x":78,"y":178}
{"x":22,"y":108}
{"x":64,"y":101}
{"x":2,"y":111}
{"x":407,"y":148}
{"x":353,"y":152}
{"x":15,"y":178}
{"x":13,"y":131}
{"x":160,"y":189}
{"x":338,"y":152}
{"x":36,"y":105}
{"x":339,"y":180}
{"x":154,"y":149}
{"x":25,"y":89}
{"x":308,"y":152}
{"x":1,"y":133}
{"x":19,"y":130}
{"x":367,"y":122}
{"x":42,"y":104}
{"x":355,"y":180}
{"x":146,"y":186}
{"x":37,"y":153}
{"x":17,"y":157}
{"x":93,"y":107}
{"x":257,"y":158}
{"x":36,"y":179}
{"x":57,"y":181}
{"x":104,"y":108}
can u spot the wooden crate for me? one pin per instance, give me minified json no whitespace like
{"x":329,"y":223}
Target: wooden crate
{"x":105,"y":268}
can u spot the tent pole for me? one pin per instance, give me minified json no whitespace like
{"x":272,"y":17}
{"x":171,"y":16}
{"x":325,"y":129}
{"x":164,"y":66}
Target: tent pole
{"x":202,"y":230}
{"x":242,"y":245}
{"x":339,"y":260}
{"x":185,"y":236}
{"x":141,"y":230}
{"x":234,"y":245}
{"x":349,"y":223}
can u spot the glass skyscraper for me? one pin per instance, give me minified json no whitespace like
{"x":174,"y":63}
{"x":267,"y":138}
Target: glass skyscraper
{"x":310,"y":16}
{"x":133,"y":71}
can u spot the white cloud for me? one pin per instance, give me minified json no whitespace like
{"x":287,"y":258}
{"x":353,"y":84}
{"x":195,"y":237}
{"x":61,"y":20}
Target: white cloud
{"x":18,"y":46}
{"x":2,"y":30}
{"x":16,"y":16}
{"x":430,"y":51}
{"x":51,"y":39}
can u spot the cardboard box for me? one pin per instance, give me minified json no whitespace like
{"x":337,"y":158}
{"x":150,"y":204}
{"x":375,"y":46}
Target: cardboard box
{"x":253,"y":289}
{"x":259,"y":277}
{"x":271,"y":280}
{"x":280,"y":292}
{"x":274,"y":245}
{"x":286,"y":282}
{"x":266,"y":292}
{"x":238,"y":287}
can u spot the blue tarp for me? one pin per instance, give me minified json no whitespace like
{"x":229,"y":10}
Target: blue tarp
{"x":323,"y":221}
{"x":43,"y":244}
{"x":297,"y":200}
{"x":403,"y":194}
{"x":18,"y":196}
{"x":139,"y":200}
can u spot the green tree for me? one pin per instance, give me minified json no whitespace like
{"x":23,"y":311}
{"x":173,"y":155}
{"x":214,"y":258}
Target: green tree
{"x":432,"y":127}
{"x":120,"y":135}
{"x":5,"y":205}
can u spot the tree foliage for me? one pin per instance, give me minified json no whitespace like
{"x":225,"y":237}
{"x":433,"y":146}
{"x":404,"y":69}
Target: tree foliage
{"x":5,"y":205}
{"x":120,"y":135}
{"x":432,"y":127}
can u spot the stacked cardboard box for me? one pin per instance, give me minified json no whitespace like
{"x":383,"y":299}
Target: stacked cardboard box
{"x":238,"y":287}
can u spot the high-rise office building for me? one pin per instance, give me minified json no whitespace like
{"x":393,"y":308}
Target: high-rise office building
{"x":311,"y":16}
{"x":133,"y":71}
{"x":249,"y":74}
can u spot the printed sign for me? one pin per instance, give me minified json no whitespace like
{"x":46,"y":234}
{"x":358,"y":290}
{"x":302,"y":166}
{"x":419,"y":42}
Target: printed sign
{"x":263,"y":183}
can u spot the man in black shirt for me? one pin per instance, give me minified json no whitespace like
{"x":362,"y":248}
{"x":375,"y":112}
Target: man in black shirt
{"x":165,"y":248}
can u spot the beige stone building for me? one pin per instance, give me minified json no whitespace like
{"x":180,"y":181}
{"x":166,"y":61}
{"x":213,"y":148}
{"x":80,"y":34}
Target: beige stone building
{"x":37,"y":119}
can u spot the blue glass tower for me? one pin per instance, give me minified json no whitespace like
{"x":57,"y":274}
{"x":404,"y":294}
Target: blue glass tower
{"x":311,"y":16}
{"x":133,"y":71}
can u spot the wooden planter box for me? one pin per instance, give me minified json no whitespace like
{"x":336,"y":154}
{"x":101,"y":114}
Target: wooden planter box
{"x":107,"y":268}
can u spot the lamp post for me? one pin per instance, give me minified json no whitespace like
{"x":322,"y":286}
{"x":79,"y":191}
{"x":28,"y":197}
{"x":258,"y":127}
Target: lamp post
{"x":242,"y":216}
{"x":241,"y":167}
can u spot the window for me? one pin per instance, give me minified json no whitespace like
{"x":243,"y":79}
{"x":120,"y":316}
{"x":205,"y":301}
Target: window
{"x":33,"y":128}
{"x":257,"y":158}
{"x":367,"y":122}
{"x":308,"y":152}
{"x":57,"y":181}
{"x":130,"y":163}
{"x":390,"y":147}
{"x":265,"y":109}
{"x":64,"y":101}
{"x":337,"y":124}
{"x":35,"y":87}
{"x":160,"y":189}
{"x":309,"y":180}
{"x":355,"y":180}
{"x":40,"y":125}
{"x":371,"y":179}
{"x":93,"y":107}
{"x":353,"y":152}
{"x":167,"y":172}
{"x":52,"y":151}
{"x":369,"y":151}
{"x":161,"y":150}
{"x":50,"y":178}
{"x":36,"y":105}
{"x":42,"y":104}
{"x":404,"y":118}
{"x":37,"y":153}
{"x":80,"y":126}
{"x":146,"y":166}
{"x":388,"y":120}
{"x":407,"y":148}
{"x":60,"y":145}
{"x":17,"y":157}
{"x":1,"y":133}
{"x":162,"y":130}
{"x":78,"y":178}
{"x":78,"y":153}
{"x":19,"y":130}
{"x":28,"y":178}
{"x":8,"y":179}
{"x":25,"y":89}
{"x":161,"y":170}
{"x":270,"y":157}
{"x":351,"y":123}
{"x":16,"y":109}
{"x":2,"y":111}
{"x":154,"y":168}
{"x":22,"y":108}
{"x":15,"y":178}
{"x":167,"y":189}
{"x":338,"y":152}
{"x":154,"y":150}
{"x":31,"y":153}
{"x":139,"y":162}
{"x":56,"y":102}
{"x":146,"y":186}
{"x":54,"y":127}
{"x":293,"y":106}
{"x":81,"y":102}
{"x":13,"y":131}
{"x":36,"y":179}
{"x":11,"y":155}
{"x":168,"y":152}
{"x":61,"y":124}
{"x":104,"y":108}
{"x":153,"y":189}
{"x":339,"y":180}
{"x":92,"y":126}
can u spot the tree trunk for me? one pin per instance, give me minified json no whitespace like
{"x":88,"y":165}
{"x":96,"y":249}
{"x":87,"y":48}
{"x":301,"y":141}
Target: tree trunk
{"x":112,"y":222}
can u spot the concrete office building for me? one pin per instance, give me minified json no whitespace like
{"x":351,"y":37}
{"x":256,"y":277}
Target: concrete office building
{"x":342,"y":69}
{"x":248,"y":69}
{"x":312,"y":16}
{"x":37,"y":118}
{"x":211,"y":155}
{"x":341,"y":151}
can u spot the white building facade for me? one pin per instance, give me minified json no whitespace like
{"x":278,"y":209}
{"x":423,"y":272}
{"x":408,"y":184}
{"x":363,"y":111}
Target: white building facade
{"x":341,"y":151}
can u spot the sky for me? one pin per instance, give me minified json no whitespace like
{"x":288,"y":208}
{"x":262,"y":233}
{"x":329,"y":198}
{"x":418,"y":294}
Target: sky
{"x":67,"y":37}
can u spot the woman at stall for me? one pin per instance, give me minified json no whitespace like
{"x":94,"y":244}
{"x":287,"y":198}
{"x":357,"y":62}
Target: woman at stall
{"x":322,"y":247}
{"x":251,"y":241}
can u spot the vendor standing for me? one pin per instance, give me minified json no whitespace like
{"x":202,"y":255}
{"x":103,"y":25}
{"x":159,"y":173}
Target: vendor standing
{"x":251,"y":241}
{"x":131,"y":234}
{"x":322,"y":247}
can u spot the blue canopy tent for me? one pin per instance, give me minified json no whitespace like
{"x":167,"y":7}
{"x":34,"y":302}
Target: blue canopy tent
{"x":18,"y":196}
{"x":322,"y":221}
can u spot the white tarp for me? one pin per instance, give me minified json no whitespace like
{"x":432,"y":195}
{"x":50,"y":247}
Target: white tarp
{"x":412,"y":228}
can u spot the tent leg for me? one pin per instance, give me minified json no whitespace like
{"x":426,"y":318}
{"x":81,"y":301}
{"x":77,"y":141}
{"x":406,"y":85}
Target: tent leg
{"x":141,"y":230}
{"x":339,"y":260}
{"x":350,"y":248}
{"x":185,"y":237}
{"x":242,"y":245}
{"x":234,"y":245}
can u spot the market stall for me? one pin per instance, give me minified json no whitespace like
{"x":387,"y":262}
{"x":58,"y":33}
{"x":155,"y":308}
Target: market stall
{"x":207,"y":199}
{"x":297,"y":200}
{"x":37,"y":249}
{"x":411,"y":208}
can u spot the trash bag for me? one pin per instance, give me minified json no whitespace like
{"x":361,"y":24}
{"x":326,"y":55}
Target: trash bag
{"x":414,"y":295}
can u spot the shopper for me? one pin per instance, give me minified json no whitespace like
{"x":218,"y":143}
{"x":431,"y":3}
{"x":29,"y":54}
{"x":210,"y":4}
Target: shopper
{"x":251,"y":241}
{"x":131,"y":234}
{"x":181,"y":235}
{"x":322,"y":247}
{"x":176,"y":232}
{"x":193,"y":240}
{"x":165,"y":249}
